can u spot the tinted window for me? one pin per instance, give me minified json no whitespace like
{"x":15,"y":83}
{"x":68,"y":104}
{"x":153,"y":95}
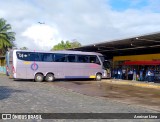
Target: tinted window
{"x":82,"y":58}
{"x":71,"y":58}
{"x":106,"y":64}
{"x":36,"y":57}
{"x":94,"y":59}
{"x":29,"y":56}
{"x":60,"y":58}
{"x":24,"y":56}
{"x":48,"y":57}
{"x":102,"y":58}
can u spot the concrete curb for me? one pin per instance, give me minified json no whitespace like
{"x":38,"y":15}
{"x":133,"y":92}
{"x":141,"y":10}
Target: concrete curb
{"x":133,"y":83}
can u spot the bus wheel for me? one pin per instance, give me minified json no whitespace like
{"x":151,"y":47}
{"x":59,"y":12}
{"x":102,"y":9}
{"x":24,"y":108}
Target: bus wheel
{"x":49,"y":77}
{"x":39,"y":77}
{"x":98,"y":77}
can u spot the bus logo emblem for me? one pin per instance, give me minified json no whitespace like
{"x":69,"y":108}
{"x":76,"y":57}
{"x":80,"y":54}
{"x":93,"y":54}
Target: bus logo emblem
{"x":34,"y":66}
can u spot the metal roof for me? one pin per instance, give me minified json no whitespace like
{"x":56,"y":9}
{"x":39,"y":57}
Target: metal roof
{"x":141,"y":44}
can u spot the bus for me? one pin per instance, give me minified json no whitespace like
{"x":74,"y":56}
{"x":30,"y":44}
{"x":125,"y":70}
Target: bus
{"x":48,"y":66}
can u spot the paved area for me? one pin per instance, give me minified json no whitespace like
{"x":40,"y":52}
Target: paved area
{"x":25,"y":96}
{"x":131,"y":92}
{"x":143,"y":84}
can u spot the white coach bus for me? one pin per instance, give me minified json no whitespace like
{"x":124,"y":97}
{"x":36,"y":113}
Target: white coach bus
{"x":40,"y":66}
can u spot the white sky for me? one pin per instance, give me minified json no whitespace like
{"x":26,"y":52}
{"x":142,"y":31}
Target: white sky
{"x":88,"y":21}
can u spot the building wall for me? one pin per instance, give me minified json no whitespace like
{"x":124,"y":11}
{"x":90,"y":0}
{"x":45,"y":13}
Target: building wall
{"x":2,"y":62}
{"x":2,"y":66}
{"x":137,"y":57}
{"x":119,"y":60}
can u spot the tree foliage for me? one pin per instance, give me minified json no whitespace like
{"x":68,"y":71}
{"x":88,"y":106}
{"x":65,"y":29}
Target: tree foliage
{"x":75,"y":44}
{"x":66,"y":45}
{"x":6,"y":36}
{"x":23,"y":48}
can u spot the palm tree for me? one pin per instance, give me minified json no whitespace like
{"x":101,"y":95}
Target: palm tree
{"x":23,"y":48}
{"x":6,"y":37}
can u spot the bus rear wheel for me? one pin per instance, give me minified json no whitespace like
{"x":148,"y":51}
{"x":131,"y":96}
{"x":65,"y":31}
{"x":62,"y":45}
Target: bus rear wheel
{"x":49,"y":77}
{"x":39,"y":77}
{"x":98,"y":77}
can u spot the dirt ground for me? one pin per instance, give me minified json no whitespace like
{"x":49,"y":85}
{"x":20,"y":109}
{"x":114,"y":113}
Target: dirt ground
{"x":146,"y":97}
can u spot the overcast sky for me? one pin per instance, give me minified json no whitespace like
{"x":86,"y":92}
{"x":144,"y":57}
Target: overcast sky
{"x":88,"y":21}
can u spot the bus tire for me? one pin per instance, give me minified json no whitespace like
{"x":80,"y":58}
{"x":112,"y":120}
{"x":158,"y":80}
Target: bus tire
{"x":98,"y":77}
{"x":50,"y":77}
{"x":39,"y":77}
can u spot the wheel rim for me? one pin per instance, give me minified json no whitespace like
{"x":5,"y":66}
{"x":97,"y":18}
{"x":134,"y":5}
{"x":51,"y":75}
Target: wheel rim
{"x":98,"y":77}
{"x":50,"y":78}
{"x":39,"y":78}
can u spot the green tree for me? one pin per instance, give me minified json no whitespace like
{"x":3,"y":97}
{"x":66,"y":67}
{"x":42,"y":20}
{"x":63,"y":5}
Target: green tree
{"x":6,"y":36}
{"x":66,"y":45}
{"x":23,"y":48}
{"x":75,"y":44}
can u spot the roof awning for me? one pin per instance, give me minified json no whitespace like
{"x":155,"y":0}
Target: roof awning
{"x":138,"y":44}
{"x":142,"y":63}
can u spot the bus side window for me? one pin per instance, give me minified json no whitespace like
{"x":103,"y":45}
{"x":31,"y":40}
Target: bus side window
{"x":47,"y":57}
{"x":22,"y":55}
{"x":71,"y":58}
{"x":37,"y":56}
{"x":30,"y":56}
{"x":82,"y":59}
{"x":94,"y":59}
{"x":60,"y":58}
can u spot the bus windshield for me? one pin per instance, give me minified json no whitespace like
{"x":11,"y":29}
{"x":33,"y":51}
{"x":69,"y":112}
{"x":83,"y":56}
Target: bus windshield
{"x":106,"y":63}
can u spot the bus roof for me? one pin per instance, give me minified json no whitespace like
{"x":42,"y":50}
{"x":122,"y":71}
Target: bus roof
{"x":64,"y":51}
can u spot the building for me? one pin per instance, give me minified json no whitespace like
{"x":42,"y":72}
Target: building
{"x":2,"y":64}
{"x":139,"y":51}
